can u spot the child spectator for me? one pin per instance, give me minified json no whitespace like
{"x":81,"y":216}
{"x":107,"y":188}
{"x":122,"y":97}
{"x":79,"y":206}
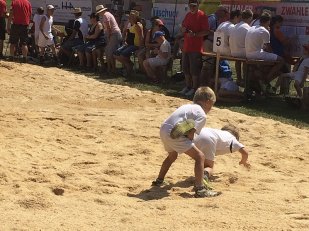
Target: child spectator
{"x":177,"y":133}
{"x":162,"y":58}
{"x":299,"y":74}
{"x":214,"y":142}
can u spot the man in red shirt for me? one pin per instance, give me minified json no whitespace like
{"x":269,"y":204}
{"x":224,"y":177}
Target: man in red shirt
{"x":195,"y":27}
{"x":20,"y":14}
{"x":2,"y":25}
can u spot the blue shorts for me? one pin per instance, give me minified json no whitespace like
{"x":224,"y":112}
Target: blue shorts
{"x":68,"y":45}
{"x":87,"y":47}
{"x":126,"y":50}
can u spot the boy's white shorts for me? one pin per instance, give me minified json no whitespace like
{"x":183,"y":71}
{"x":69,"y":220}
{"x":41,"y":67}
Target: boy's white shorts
{"x":179,"y":145}
{"x":43,"y":42}
{"x":262,"y":55}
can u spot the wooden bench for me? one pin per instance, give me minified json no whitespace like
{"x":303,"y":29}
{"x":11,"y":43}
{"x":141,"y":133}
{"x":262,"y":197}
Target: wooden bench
{"x":248,"y":62}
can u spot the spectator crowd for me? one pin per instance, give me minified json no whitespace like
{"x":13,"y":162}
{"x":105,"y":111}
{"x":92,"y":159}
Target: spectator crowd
{"x":101,"y":39}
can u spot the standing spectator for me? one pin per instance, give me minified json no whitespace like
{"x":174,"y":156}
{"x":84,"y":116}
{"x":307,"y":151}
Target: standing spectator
{"x":214,"y":20}
{"x":162,"y":58}
{"x":133,"y":42}
{"x":195,"y":27}
{"x":46,"y":37}
{"x":237,"y":40}
{"x":227,"y":27}
{"x":2,"y":25}
{"x":77,"y":36}
{"x":20,"y":15}
{"x":37,"y":21}
{"x":113,"y":36}
{"x":257,"y":45}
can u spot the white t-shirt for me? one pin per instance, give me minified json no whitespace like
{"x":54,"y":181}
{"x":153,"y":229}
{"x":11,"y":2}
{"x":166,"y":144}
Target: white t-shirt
{"x":237,"y":39}
{"x":256,"y":37}
{"x":37,"y":21}
{"x":83,"y":27}
{"x":216,"y":142}
{"x":226,"y":28}
{"x":255,"y":22}
{"x":165,"y":48}
{"x":185,"y":112}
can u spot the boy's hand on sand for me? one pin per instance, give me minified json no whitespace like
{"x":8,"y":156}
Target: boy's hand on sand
{"x":245,"y":163}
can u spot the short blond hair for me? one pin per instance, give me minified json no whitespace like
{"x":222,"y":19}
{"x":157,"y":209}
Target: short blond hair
{"x":203,"y":94}
{"x":231,"y":129}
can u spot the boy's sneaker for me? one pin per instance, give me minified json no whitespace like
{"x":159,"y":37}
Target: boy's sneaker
{"x":184,"y":90}
{"x":201,"y":192}
{"x":190,"y":93}
{"x":206,"y":180}
{"x":158,"y":182}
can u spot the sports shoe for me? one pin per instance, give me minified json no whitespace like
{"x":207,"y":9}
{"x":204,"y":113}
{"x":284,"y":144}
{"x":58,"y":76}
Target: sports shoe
{"x":201,"y":192}
{"x":184,"y":90}
{"x":190,"y":93}
{"x":206,"y":180}
{"x":158,"y":182}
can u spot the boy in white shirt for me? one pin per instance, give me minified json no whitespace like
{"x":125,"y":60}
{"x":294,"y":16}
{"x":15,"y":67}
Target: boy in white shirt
{"x":226,"y":28}
{"x":299,"y":74}
{"x":162,"y":58}
{"x":214,"y":142}
{"x":237,"y":40}
{"x":257,"y":39}
{"x":177,"y":133}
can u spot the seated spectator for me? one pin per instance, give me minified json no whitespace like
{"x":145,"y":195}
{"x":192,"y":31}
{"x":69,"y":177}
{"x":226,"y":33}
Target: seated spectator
{"x":113,"y":36}
{"x":257,"y":42}
{"x":226,"y":28}
{"x":94,"y":38}
{"x":77,"y":36}
{"x":46,"y":37}
{"x":299,"y":74}
{"x":278,"y":42}
{"x":133,"y":42}
{"x":162,"y":58}
{"x":214,"y":20}
{"x":237,"y":40}
{"x":150,"y":44}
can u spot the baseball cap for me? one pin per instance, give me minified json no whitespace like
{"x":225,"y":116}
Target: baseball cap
{"x":50,"y":7}
{"x":158,"y":34}
{"x":193,"y":2}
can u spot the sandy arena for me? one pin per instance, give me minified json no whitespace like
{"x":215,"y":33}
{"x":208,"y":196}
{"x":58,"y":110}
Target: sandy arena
{"x":79,"y":154}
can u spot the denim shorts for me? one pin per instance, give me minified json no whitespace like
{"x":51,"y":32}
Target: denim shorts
{"x":126,"y":50}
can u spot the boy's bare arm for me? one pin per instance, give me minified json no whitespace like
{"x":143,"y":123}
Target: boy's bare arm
{"x":244,"y":158}
{"x":190,"y":134}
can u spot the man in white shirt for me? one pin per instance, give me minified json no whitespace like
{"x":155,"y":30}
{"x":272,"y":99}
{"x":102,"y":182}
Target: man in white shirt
{"x":257,"y":41}
{"x":237,"y":40}
{"x":37,"y":20}
{"x":162,"y":58}
{"x":226,"y":28}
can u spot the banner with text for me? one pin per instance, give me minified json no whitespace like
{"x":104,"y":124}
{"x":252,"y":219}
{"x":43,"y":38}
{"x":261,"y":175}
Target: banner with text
{"x":172,"y":18}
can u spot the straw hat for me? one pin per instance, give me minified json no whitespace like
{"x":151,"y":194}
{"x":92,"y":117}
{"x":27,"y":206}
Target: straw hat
{"x":77,"y":10}
{"x":134,"y":13}
{"x":100,"y":8}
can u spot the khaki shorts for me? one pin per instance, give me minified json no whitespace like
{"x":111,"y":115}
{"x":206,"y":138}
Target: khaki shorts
{"x":179,"y":145}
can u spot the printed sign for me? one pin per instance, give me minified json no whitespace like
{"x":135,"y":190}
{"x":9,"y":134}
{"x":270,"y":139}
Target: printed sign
{"x":171,"y":14}
{"x":218,"y":41}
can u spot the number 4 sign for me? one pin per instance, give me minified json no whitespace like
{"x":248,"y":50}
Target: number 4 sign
{"x":218,"y":41}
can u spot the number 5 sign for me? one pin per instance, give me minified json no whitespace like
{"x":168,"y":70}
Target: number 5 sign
{"x":218,"y":41}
